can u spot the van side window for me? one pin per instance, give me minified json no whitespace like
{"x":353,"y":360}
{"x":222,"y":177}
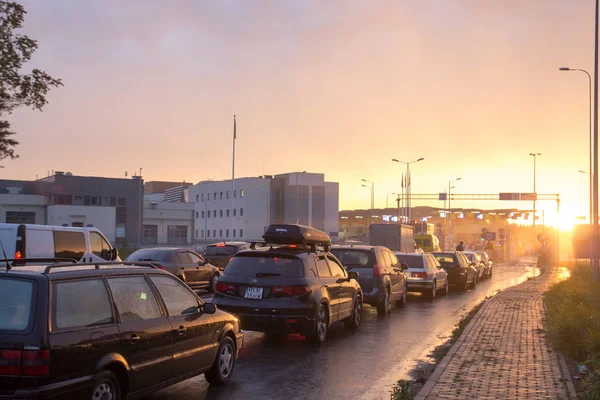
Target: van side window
{"x":80,"y":304}
{"x":69,"y":244}
{"x":134,"y":298}
{"x":99,"y":246}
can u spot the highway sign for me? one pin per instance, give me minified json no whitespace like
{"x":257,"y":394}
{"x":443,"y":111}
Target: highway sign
{"x":501,"y":242}
{"x":489,"y":236}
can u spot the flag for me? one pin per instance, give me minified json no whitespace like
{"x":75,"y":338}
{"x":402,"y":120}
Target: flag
{"x":402,"y":180}
{"x":234,"y":133}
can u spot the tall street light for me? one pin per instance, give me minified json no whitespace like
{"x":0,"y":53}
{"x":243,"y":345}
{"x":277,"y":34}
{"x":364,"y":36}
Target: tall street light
{"x":450,"y":187}
{"x":534,"y":155}
{"x":591,"y":134}
{"x":297,"y":195}
{"x":408,"y":183}
{"x":372,"y":200}
{"x":387,"y":199}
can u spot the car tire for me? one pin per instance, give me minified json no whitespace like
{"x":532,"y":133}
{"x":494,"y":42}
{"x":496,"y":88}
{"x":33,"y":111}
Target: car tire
{"x":224,"y":364}
{"x":384,"y":307}
{"x":404,"y":299}
{"x":213,"y":282}
{"x":355,"y":319}
{"x":106,"y":385}
{"x":321,"y":326}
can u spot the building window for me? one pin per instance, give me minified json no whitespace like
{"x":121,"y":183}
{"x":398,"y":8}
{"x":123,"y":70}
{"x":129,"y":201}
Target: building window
{"x":202,"y":197}
{"x":241,"y":212}
{"x":207,"y":214}
{"x":122,"y":201}
{"x":86,"y":200}
{"x":220,"y":232}
{"x":121,"y":215}
{"x":241,"y":192}
{"x":20,"y":217}
{"x":202,"y":214}
{"x":214,"y":233}
{"x":150,"y":234}
{"x":95,"y":201}
{"x":228,"y":194}
{"x":196,"y":217}
{"x":227,"y":233}
{"x":221,"y":213}
{"x":215,"y":197}
{"x":241,"y":233}
{"x":202,"y":233}
{"x":227,"y":212}
{"x":234,"y":212}
{"x":77,"y":200}
{"x":221,"y":196}
{"x":177,"y":234}
{"x":120,"y":232}
{"x":214,"y":213}
{"x":234,"y":233}
{"x":105,"y":202}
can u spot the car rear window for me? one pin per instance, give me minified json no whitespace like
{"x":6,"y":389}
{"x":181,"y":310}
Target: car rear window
{"x":470,"y":256}
{"x":265,"y":266}
{"x":81,"y":304}
{"x":351,"y":258}
{"x":220,"y":250}
{"x":15,"y":304}
{"x":149,"y":255}
{"x":411,"y":261}
{"x":445,"y":260}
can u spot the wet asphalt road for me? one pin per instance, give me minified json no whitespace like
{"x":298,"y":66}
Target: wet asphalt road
{"x":360,"y":365}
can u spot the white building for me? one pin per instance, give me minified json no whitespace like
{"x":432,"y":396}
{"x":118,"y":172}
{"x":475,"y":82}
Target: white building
{"x":226,"y":212}
{"x":167,"y":223}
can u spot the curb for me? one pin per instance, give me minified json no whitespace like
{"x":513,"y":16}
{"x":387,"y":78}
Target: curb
{"x":441,"y":367}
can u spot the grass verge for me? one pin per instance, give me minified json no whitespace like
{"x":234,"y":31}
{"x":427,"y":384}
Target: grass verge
{"x":573,"y":325}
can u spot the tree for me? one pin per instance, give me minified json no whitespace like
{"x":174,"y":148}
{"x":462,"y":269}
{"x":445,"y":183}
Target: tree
{"x":17,"y":88}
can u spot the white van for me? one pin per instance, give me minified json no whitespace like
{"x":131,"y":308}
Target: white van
{"x":44,"y":241}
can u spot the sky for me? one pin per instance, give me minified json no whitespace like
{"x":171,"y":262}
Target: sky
{"x":336,"y":87}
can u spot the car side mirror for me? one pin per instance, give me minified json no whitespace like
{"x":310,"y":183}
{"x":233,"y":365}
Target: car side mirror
{"x":201,"y":263}
{"x":208,"y":308}
{"x":113,"y":254}
{"x":404,"y":267}
{"x":353,"y":275}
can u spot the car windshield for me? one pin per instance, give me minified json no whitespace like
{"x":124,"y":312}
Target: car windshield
{"x":411,"y":261}
{"x":220,"y":250}
{"x":352,"y":258}
{"x":265,"y":266}
{"x":149,"y":255}
{"x":15,"y":304}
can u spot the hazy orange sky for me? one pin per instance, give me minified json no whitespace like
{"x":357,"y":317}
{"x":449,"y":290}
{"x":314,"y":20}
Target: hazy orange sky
{"x":338,"y":87}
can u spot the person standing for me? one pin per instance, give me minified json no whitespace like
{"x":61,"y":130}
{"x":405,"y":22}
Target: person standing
{"x":461,"y":246}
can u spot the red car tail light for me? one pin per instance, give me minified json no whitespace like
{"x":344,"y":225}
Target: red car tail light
{"x":287,"y":291}
{"x":227,"y":288}
{"x":35,"y":363}
{"x":421,"y":275}
{"x":300,"y":290}
{"x":377,"y":270}
{"x":10,"y":362}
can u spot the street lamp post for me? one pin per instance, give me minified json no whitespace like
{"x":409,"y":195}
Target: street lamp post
{"x":591,"y":134}
{"x":408,"y":183}
{"x":372,"y":200}
{"x":297,"y":197}
{"x":449,"y":211}
{"x":534,"y":155}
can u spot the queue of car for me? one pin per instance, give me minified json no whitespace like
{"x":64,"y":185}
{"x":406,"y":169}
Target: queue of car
{"x":80,"y":323}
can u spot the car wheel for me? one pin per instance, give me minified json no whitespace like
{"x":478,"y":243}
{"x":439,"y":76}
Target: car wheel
{"x":213,"y":283}
{"x":403,"y":300}
{"x":106,"y":387}
{"x":354,"y":321}
{"x":222,"y":369}
{"x":384,"y":307}
{"x":321,"y":325}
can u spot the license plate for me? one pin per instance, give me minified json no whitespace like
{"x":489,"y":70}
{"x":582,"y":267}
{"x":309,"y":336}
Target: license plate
{"x":253,"y":293}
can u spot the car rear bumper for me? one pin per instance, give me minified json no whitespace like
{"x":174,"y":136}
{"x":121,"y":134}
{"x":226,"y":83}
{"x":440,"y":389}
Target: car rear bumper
{"x":78,"y":388}
{"x":276,"y":323}
{"x":419,"y":285}
{"x":457,"y":279}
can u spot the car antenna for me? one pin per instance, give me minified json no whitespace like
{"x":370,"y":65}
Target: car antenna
{"x":8,"y":267}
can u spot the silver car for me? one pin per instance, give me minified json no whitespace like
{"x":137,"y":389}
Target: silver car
{"x":424,"y":274}
{"x":475,"y":259}
{"x":487,"y":262}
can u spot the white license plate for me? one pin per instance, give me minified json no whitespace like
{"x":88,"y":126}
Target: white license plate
{"x":253,"y":293}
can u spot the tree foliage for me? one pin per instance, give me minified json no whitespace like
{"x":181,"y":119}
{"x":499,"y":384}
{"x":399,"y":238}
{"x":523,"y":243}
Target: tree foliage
{"x":17,"y":88}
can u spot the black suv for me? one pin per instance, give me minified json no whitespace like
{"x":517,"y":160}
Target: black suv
{"x":111,"y":330}
{"x":297,"y":287}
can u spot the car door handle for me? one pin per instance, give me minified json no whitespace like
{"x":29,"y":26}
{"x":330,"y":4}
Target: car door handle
{"x":133,"y":339}
{"x":181,"y":330}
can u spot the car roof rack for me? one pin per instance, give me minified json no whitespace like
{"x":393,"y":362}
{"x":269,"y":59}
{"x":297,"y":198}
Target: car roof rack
{"x":298,"y":235}
{"x":97,"y":265}
{"x":16,"y":262}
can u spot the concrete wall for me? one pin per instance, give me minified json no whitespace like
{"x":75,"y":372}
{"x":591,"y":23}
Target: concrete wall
{"x":25,"y":203}
{"x":255,"y":203}
{"x":332,"y":205}
{"x":102,"y":218}
{"x":165,"y":214}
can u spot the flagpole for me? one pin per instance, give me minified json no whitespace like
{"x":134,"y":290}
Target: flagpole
{"x":233,"y":179}
{"x":400,"y":217}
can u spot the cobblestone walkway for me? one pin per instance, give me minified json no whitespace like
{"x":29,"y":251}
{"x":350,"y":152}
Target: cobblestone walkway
{"x":503,"y":352}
